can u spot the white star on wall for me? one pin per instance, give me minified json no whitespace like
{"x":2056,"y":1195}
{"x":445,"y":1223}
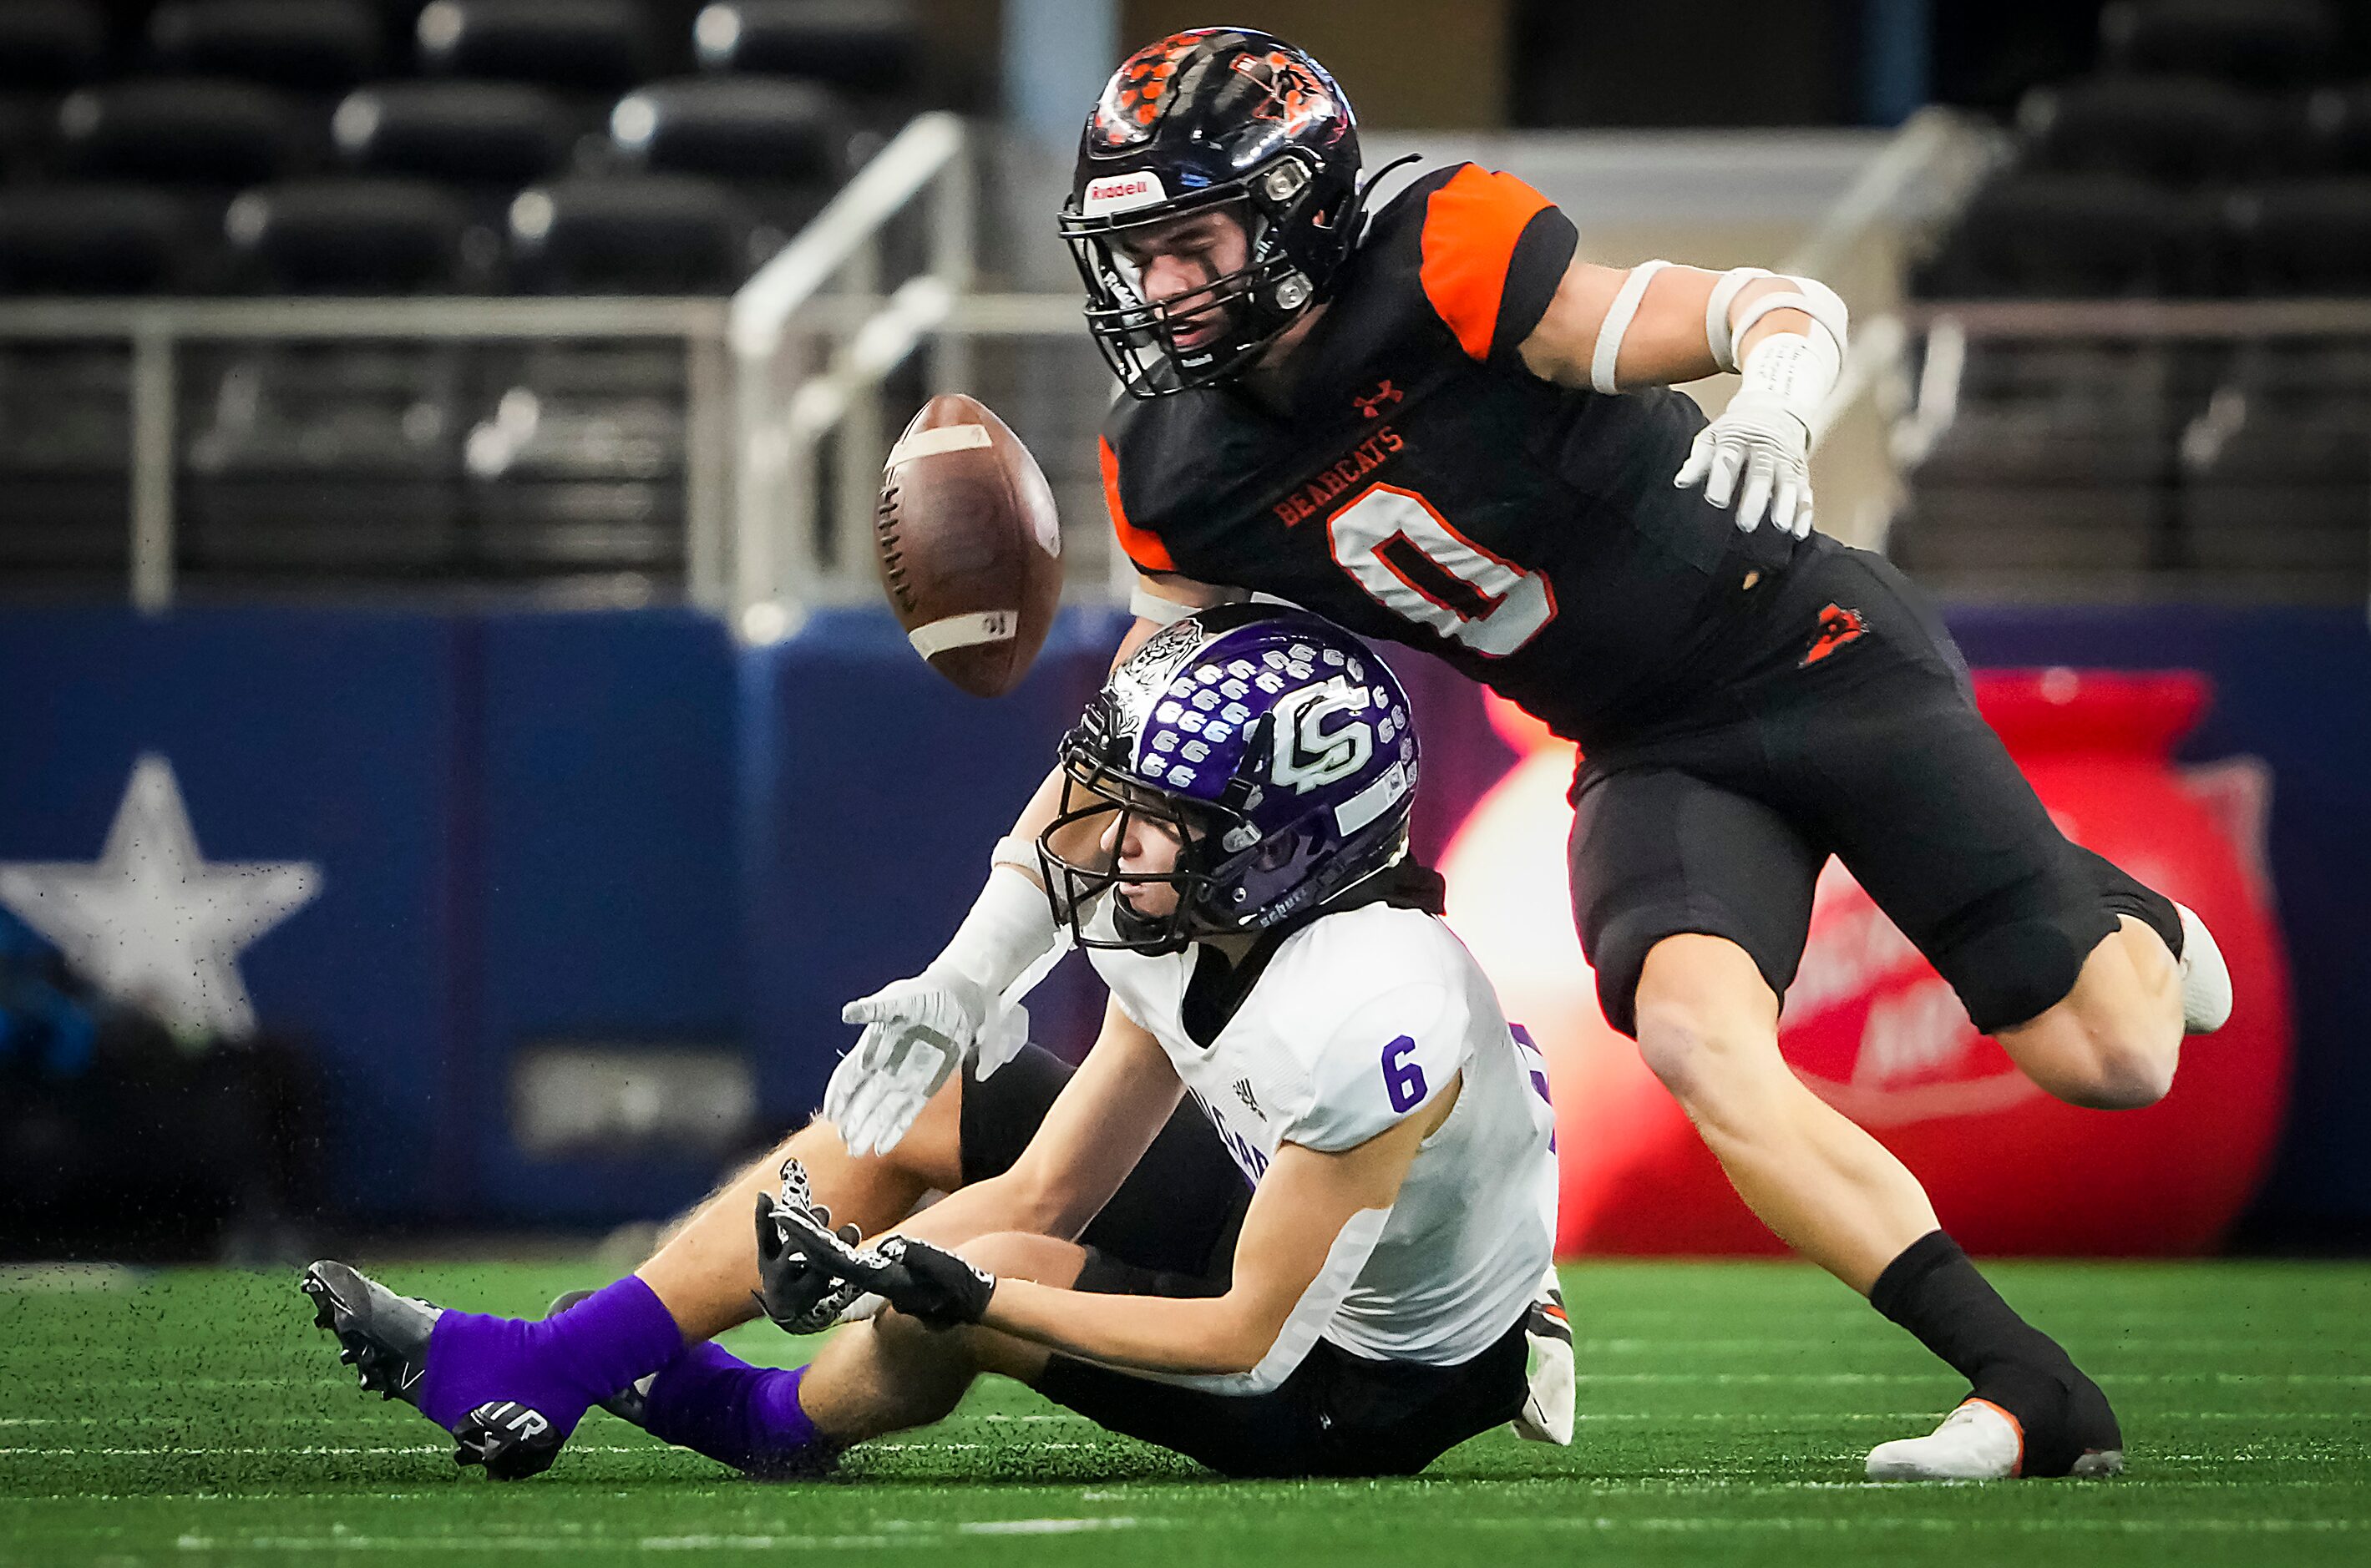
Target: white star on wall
{"x":151,"y":923}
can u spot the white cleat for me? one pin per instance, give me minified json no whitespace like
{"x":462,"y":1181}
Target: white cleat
{"x":1978,"y":1441}
{"x":1547,"y":1407}
{"x":2205,"y":978}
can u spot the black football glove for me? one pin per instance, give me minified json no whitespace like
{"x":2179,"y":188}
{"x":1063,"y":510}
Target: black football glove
{"x":798,"y":1294}
{"x":919,"y":1280}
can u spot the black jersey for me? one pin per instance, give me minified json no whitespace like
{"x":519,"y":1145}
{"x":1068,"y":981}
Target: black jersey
{"x":1427,"y":489}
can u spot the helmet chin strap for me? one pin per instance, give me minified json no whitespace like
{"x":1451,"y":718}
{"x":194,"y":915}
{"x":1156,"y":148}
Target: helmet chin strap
{"x":1367,"y":189}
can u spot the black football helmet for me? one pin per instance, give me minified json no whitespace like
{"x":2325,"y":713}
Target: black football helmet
{"x":1210,"y":118}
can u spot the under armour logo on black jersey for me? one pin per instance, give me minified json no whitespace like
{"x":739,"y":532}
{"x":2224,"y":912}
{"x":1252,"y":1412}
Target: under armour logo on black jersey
{"x":1372,"y":405}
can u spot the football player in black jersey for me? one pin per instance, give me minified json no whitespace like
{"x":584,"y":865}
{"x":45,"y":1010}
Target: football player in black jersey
{"x":1437,"y":424}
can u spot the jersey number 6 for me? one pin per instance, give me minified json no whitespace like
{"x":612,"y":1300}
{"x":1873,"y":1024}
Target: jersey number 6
{"x":1402,"y":1079}
{"x":1413,"y":564}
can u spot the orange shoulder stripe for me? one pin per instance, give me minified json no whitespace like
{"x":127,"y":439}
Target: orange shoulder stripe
{"x":1143,"y":546}
{"x":1471,"y":225}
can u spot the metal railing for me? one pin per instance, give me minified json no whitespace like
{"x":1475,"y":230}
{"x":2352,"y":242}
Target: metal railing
{"x":810,"y":366}
{"x":784,"y":423}
{"x":158,"y":330}
{"x":2193,"y":429}
{"x":1948,"y":327}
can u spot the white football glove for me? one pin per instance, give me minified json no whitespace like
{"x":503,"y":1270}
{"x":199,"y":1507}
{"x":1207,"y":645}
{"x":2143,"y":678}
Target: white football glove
{"x":916,"y":1033}
{"x":1764,"y":437}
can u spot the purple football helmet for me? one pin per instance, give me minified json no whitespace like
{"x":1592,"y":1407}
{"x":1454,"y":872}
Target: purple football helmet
{"x":1276,"y":747}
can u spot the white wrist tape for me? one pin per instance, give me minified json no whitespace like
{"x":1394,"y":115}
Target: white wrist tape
{"x":1718,"y":337}
{"x":1616,"y":325}
{"x":1011,"y":926}
{"x":1797,"y":371}
{"x":1146,"y":604}
{"x":1809,"y":295}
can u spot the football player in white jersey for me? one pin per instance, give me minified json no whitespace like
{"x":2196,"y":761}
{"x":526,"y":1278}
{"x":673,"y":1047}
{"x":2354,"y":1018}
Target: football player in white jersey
{"x":1232,"y":855}
{"x":1336,"y":1261}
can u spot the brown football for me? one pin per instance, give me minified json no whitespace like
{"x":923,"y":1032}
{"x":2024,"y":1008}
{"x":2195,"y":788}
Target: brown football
{"x":969,"y":544}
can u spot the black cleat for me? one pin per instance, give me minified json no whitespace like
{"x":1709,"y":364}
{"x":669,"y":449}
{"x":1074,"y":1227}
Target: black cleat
{"x":385,"y":1338}
{"x":382,"y":1336}
{"x":512,"y":1441}
{"x":625,"y":1404}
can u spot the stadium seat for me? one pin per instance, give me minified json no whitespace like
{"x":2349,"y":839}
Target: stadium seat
{"x":2180,"y":130}
{"x":2264,"y":44}
{"x":354,"y":236}
{"x":312,"y":46}
{"x":197,"y":132}
{"x":2307,"y":236}
{"x":331,"y":460}
{"x":578,"y":467}
{"x":863,"y":46}
{"x":2072,"y":414}
{"x":65,"y":444}
{"x":743,"y":127}
{"x":2074,"y":234}
{"x":2332,"y":131}
{"x":2276,"y":490}
{"x":47,"y":48}
{"x":24,"y":122}
{"x":485,"y":133}
{"x":49,"y":45}
{"x":585,"y":45}
{"x":2055,"y":477}
{"x":643,"y":234}
{"x":95,"y":240}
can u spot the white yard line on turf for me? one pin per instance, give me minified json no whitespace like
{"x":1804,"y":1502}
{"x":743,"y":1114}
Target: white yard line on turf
{"x":2349,"y":1379}
{"x":309,"y":1449}
{"x":2050,"y":1524}
{"x":903,"y":1537}
{"x":907,"y":1540}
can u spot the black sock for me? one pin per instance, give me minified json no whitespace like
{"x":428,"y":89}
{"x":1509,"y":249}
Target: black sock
{"x":2124,"y":895}
{"x":1936,"y":1293}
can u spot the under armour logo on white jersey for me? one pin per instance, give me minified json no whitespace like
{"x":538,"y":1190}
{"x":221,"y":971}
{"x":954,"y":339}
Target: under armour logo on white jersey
{"x":1307,"y":755}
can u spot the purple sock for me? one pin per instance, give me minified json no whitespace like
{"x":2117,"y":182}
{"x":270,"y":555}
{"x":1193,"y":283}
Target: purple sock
{"x":712,"y":1402}
{"x":558,"y":1367}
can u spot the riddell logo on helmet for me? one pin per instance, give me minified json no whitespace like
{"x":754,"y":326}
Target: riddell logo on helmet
{"x":1123,"y":192}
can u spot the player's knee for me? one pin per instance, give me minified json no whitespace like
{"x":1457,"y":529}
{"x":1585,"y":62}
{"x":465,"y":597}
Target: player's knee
{"x":2078,"y":1043}
{"x":2131,"y":1074}
{"x":1703,"y":1056}
{"x":2098,"y":1067}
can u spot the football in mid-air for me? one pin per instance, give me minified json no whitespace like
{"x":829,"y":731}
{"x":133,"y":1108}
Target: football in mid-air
{"x":969,"y":544}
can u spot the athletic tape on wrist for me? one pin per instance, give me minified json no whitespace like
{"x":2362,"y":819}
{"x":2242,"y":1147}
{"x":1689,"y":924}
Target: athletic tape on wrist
{"x":1610,"y":331}
{"x":1015,"y":851}
{"x":1718,"y":337}
{"x":1010,"y":927}
{"x":1810,"y":296}
{"x":1770,"y":302}
{"x":1799,"y":372}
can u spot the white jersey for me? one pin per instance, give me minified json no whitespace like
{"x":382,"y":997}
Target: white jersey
{"x":1360,"y":1019}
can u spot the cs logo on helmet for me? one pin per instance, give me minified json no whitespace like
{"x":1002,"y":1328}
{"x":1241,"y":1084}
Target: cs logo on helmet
{"x":1307,"y":755}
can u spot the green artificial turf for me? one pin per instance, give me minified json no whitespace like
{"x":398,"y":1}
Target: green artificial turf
{"x":197,"y":1418}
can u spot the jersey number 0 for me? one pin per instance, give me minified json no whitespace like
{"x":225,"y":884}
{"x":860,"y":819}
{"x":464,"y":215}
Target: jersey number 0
{"x":1413,"y":564}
